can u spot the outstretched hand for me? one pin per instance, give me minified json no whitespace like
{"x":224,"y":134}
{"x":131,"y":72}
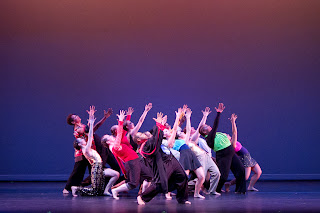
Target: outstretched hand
{"x":91,"y":114}
{"x":148,"y":107}
{"x":122,"y":115}
{"x":184,"y":108}
{"x":233,"y":118}
{"x":159,"y":117}
{"x":221,"y":107}
{"x":178,"y":114}
{"x":188,"y":113}
{"x":164,"y":120}
{"x":108,"y":113}
{"x":130,"y":111}
{"x":206,"y":111}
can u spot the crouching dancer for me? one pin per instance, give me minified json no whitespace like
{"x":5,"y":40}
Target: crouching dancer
{"x":126,"y":155}
{"x":167,"y":171}
{"x":97,"y":172}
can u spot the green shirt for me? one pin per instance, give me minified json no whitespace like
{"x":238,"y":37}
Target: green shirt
{"x":221,"y":141}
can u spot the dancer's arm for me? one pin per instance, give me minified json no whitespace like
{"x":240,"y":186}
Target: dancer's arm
{"x":234,"y":130}
{"x":203,"y":121}
{"x":188,"y":126}
{"x":174,"y":129}
{"x":90,"y":123}
{"x":212,"y":133}
{"x":182,"y":117}
{"x":121,"y":117}
{"x":129,"y":113}
{"x":141,"y":120}
{"x":99,"y":123}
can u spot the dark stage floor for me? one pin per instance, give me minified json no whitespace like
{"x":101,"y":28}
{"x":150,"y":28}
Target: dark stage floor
{"x":275,"y":196}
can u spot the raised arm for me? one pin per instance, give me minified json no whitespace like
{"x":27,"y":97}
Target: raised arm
{"x":234,"y":130}
{"x":121,"y":117}
{"x":174,"y":129}
{"x":203,"y":121}
{"x":99,"y":123}
{"x":182,"y":117}
{"x":129,"y":113}
{"x":212,"y":133}
{"x":188,"y":125}
{"x":90,"y":123}
{"x":141,"y":119}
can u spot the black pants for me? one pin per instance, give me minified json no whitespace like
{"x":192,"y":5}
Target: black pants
{"x":177,"y":179}
{"x":133,"y":171}
{"x":77,"y":173}
{"x":226,"y":160}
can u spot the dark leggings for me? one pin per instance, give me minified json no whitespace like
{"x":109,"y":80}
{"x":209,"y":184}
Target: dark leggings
{"x":97,"y":182}
{"x":226,"y":160}
{"x":77,"y":173}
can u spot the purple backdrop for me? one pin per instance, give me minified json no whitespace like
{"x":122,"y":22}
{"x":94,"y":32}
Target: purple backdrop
{"x":260,"y":58}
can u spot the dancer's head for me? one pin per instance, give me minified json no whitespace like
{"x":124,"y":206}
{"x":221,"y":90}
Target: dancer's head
{"x":79,"y":143}
{"x":140,"y":137}
{"x":73,"y":119}
{"x":205,"y":129}
{"x":128,"y":125}
{"x":106,"y":140}
{"x":113,"y":130}
{"x":167,"y":133}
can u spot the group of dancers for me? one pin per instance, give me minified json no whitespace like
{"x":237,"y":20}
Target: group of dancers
{"x":161,"y":160}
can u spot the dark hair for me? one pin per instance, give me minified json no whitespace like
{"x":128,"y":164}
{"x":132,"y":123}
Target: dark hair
{"x":125,"y":124}
{"x":113,"y":130}
{"x":86,"y":129}
{"x":76,"y":144}
{"x":201,"y":130}
{"x":104,"y":141}
{"x":184,"y":130}
{"x":176,"y":136}
{"x":70,"y":119}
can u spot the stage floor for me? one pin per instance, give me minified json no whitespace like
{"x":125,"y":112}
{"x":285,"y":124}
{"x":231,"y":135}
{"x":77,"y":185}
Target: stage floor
{"x":274,"y":196}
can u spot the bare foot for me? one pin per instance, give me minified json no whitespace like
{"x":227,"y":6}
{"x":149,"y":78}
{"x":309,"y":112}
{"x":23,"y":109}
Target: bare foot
{"x":199,"y":196}
{"x":74,"y":190}
{"x":227,"y":186}
{"x":114,"y":194}
{"x":205,"y":191}
{"x":65,"y":191}
{"x":252,"y":189}
{"x":168,"y":196}
{"x":107,"y":193}
{"x":216,"y":193}
{"x":140,"y":201}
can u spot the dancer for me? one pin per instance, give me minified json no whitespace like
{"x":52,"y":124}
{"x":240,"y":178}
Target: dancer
{"x":210,"y":168}
{"x":97,"y":172}
{"x":188,"y":159}
{"x":168,"y":173}
{"x":225,"y":154}
{"x":248,"y":162}
{"x":123,"y":153}
{"x":81,"y":162}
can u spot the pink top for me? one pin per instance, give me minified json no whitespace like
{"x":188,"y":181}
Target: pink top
{"x":238,"y":146}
